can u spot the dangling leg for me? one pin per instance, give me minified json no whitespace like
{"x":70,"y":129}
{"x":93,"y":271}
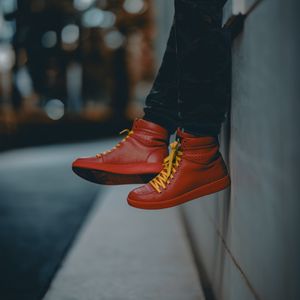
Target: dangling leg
{"x":139,"y":157}
{"x":204,"y":54}
{"x":195,"y":167}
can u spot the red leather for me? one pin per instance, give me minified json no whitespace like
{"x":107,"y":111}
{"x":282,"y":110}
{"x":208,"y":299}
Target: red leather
{"x":201,"y":171}
{"x":142,"y":153}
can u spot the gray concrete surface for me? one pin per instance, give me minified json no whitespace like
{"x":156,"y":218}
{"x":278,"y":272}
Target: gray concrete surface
{"x":128,"y":254}
{"x":247,"y":238}
{"x":42,"y":206}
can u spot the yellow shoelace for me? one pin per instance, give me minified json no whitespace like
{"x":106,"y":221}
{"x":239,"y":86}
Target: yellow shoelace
{"x":170,"y":166}
{"x":129,"y":133}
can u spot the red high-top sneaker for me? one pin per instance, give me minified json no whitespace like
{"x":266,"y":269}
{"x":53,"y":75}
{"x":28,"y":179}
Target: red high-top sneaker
{"x":193,"y":169}
{"x":136,"y":159}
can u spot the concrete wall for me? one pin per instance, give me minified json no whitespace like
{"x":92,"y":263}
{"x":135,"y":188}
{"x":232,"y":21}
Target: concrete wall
{"x":246,"y":239}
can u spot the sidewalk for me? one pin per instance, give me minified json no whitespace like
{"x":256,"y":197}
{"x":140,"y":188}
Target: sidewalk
{"x":127,"y":254}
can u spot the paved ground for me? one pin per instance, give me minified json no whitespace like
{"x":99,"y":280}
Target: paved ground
{"x":42,"y":206}
{"x":119,"y":254}
{"x":128,"y":254}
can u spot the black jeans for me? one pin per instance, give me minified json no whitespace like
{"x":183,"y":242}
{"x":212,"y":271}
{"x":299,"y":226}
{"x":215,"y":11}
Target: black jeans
{"x":192,"y":87}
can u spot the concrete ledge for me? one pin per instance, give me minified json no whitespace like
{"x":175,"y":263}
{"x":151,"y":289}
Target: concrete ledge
{"x":124,"y":253}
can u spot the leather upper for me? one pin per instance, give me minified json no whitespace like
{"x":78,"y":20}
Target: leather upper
{"x":146,"y":144}
{"x":201,"y":163}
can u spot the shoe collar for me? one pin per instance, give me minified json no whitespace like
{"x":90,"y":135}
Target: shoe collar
{"x":189,"y":140}
{"x":143,"y":125}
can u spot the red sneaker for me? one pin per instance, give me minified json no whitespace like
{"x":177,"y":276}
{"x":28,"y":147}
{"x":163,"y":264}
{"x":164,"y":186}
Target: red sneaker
{"x":136,"y":159}
{"x":193,"y":169}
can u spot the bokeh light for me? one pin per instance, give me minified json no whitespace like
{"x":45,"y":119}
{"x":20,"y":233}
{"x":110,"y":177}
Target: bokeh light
{"x":49,"y":39}
{"x":7,"y":57}
{"x":134,"y":6}
{"x":70,"y":34}
{"x":114,"y":39}
{"x":93,"y":17}
{"x":83,"y":4}
{"x":55,"y":109}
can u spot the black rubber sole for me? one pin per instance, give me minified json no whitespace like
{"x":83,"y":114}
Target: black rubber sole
{"x":107,"y":178}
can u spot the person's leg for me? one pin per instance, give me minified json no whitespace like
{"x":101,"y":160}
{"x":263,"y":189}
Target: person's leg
{"x":161,"y":105}
{"x":195,"y":167}
{"x":203,"y":54}
{"x":192,"y":88}
{"x":139,"y":157}
{"x":142,"y":152}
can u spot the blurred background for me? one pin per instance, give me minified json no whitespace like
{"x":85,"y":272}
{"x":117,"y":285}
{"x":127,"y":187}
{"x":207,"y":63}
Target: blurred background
{"x":73,"y":73}
{"x":69,"y":68}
